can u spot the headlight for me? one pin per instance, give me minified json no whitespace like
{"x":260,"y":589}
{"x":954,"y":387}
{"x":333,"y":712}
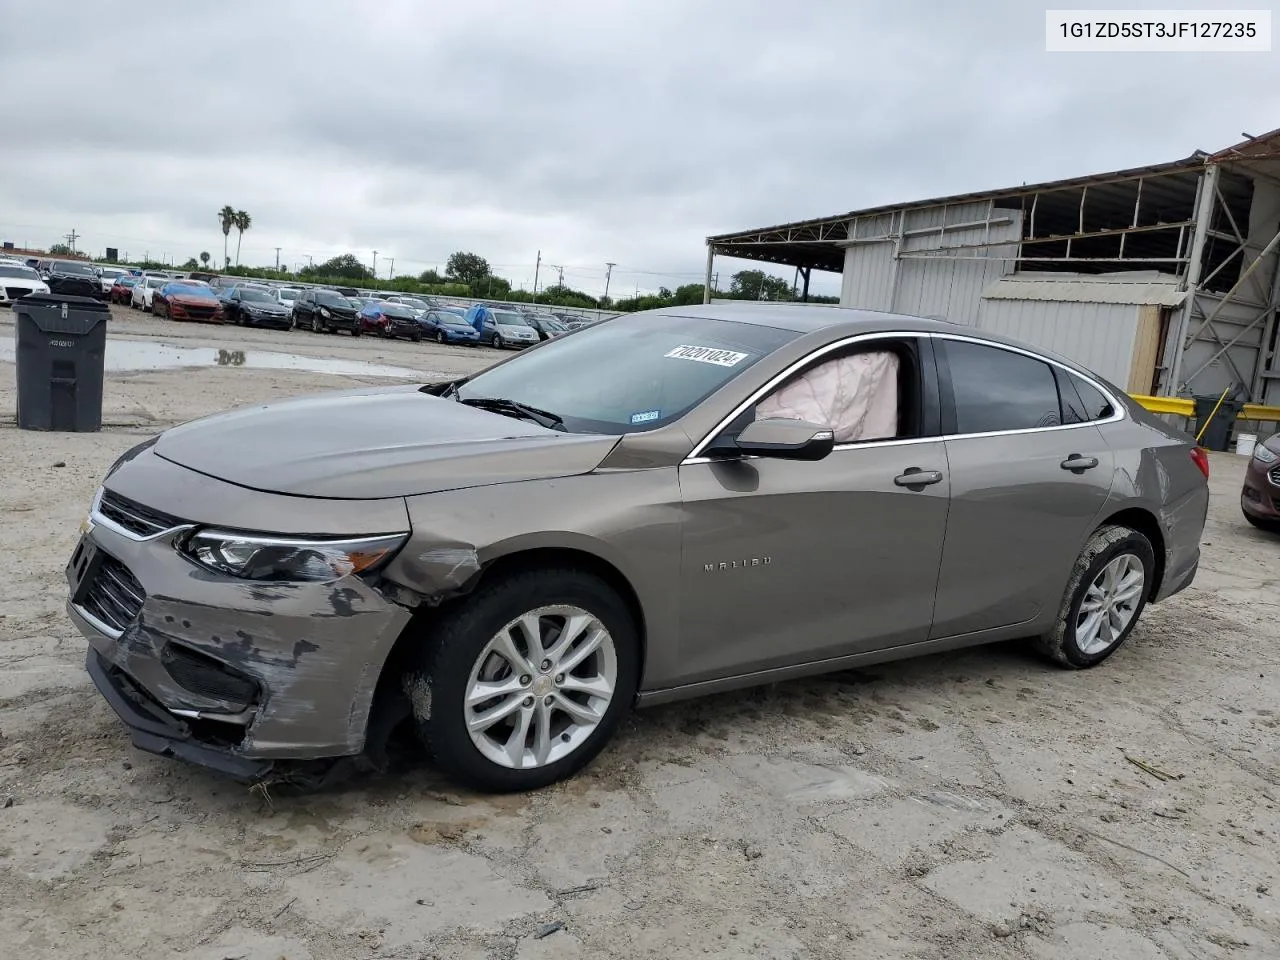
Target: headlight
{"x":324,"y":312}
{"x":271,"y":558}
{"x":1264,"y":454}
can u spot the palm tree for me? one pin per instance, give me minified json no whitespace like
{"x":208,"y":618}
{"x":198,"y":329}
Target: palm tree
{"x":242,"y":222}
{"x":204,"y":257}
{"x":228,"y":217}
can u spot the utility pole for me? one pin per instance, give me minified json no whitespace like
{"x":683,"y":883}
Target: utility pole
{"x":71,"y":239}
{"x":391,"y":270}
{"x":561,"y":269}
{"x":375,"y":263}
{"x":277,"y":259}
{"x":536,"y":266}
{"x":608,"y":273}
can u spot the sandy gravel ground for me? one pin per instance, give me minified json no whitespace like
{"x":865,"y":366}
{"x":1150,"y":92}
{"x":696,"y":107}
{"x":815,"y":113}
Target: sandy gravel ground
{"x":970,"y":805}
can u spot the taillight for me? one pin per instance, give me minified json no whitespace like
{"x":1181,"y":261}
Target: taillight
{"x":1201,"y":458}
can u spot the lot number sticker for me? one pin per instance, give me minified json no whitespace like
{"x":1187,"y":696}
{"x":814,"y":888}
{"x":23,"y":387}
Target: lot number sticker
{"x":646,"y":416}
{"x":721,"y":358}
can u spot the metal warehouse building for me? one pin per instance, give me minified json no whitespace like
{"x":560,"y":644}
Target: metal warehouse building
{"x":1162,"y":279}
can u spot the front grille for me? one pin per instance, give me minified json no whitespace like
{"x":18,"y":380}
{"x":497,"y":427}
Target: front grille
{"x":115,"y":597}
{"x":13,"y":293}
{"x":1274,"y":476}
{"x":195,"y":312}
{"x":207,"y":677}
{"x":133,"y":516}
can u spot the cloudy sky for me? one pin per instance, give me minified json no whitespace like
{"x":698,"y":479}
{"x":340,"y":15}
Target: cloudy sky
{"x":595,"y":131}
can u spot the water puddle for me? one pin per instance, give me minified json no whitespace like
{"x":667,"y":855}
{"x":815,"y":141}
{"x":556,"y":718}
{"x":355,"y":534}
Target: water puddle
{"x":131,"y":355}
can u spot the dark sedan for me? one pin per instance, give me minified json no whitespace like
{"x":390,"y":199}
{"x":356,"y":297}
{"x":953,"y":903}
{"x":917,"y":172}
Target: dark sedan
{"x":187,"y":300}
{"x":390,"y":320}
{"x":548,"y":327}
{"x":324,"y":311}
{"x":255,"y":308}
{"x":445,"y":326}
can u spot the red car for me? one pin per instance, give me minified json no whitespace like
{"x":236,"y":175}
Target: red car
{"x":122,"y":289}
{"x":188,"y":300}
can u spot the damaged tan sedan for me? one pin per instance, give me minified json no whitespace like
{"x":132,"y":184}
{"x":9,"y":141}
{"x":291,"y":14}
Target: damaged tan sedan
{"x":663,"y":505}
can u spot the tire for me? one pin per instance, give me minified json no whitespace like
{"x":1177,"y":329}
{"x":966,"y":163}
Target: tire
{"x":440,"y":337}
{"x":1109,"y":545}
{"x":443,"y":670}
{"x":355,"y":330}
{"x":498,"y":342}
{"x":315,"y":323}
{"x":416,"y":338}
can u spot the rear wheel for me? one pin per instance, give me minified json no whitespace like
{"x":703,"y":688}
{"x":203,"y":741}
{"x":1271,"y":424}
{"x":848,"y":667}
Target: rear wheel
{"x":1108,"y":589}
{"x":524,"y":682}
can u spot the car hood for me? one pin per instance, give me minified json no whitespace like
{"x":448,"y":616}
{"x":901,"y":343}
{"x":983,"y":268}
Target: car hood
{"x":375,"y":443}
{"x":195,"y":299}
{"x":259,"y":307}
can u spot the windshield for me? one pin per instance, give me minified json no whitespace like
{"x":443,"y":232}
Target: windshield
{"x":634,"y":373}
{"x":415,"y":304}
{"x":255,"y":296}
{"x":68,"y":268}
{"x":187,"y":290}
{"x":451,"y":319}
{"x":110,"y":273}
{"x":157,"y":281}
{"x":331,"y":299}
{"x":509,"y":319}
{"x":26,"y":273}
{"x":397,"y":310}
{"x":287,"y":293}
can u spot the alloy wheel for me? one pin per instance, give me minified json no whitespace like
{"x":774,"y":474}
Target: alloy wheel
{"x":540,"y":687}
{"x":1110,"y":604}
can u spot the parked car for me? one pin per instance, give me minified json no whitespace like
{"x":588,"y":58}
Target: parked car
{"x":145,"y":290}
{"x":223,"y":282}
{"x":107,"y":276}
{"x":419,"y":305}
{"x":547,"y":326}
{"x":75,"y":278}
{"x":444,"y":326}
{"x":390,"y":320}
{"x":285,"y":296}
{"x":324,"y":311}
{"x":501,"y":328}
{"x":16,"y":281}
{"x":187,"y":300}
{"x":254,"y":307}
{"x":122,"y":288}
{"x":674,"y":503}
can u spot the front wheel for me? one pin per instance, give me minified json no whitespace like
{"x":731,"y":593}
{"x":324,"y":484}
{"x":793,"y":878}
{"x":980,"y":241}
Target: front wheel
{"x":439,"y":336}
{"x":526,"y":679}
{"x":1108,"y":589}
{"x":355,"y":330}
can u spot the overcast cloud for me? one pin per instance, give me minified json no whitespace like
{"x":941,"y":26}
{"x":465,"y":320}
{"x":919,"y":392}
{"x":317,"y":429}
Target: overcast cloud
{"x":595,"y":131}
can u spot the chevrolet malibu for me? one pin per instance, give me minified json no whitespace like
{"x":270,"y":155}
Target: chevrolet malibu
{"x":674,"y":503}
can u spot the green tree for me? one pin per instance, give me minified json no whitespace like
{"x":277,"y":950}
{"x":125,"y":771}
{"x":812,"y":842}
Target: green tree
{"x":242,"y":222}
{"x":60,"y":250}
{"x":430,"y":276}
{"x":687,"y":294}
{"x":227,"y":217}
{"x":191,"y":264}
{"x":467,"y":267}
{"x":758,"y":285}
{"x":489,"y":287}
{"x":345,"y":266}
{"x":204,"y":257}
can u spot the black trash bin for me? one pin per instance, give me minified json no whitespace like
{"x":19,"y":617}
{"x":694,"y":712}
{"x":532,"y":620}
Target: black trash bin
{"x":60,"y":342}
{"x":1218,"y":434}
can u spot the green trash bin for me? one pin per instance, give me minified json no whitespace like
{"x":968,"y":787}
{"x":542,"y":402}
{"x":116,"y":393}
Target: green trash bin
{"x":1217,"y":436}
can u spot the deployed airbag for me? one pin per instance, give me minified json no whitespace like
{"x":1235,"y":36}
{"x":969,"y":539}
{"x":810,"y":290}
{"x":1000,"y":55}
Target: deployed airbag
{"x":856,"y":396}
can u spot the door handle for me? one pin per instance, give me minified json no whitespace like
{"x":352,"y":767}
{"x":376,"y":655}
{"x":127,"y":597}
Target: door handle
{"x":915,"y":477}
{"x":1078,"y":464}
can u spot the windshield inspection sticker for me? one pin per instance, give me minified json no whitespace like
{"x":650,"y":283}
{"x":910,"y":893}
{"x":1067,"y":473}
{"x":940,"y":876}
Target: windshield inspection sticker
{"x":721,"y":358}
{"x":646,"y":416}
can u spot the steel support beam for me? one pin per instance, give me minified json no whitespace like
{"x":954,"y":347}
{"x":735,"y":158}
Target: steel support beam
{"x":1205,"y":192}
{"x":706,"y":283}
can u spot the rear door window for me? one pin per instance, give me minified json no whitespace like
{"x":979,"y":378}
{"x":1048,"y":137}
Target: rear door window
{"x":995,"y":390}
{"x":1082,"y":402}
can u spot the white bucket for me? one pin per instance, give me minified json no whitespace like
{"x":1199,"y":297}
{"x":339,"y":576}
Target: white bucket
{"x":1245,"y":442}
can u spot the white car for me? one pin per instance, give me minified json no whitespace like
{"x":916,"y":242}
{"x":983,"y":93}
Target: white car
{"x":285,"y":296}
{"x":109,"y":275}
{"x":144,"y":291}
{"x":18,"y":280}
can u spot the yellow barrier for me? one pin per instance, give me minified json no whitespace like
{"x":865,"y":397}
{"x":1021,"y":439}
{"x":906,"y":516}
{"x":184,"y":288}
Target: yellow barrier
{"x":1186,"y":407}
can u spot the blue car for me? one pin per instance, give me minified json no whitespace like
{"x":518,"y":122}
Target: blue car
{"x":445,"y":326}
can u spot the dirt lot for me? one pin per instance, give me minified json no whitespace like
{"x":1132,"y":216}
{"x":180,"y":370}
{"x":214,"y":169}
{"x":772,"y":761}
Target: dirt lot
{"x":971,"y":805}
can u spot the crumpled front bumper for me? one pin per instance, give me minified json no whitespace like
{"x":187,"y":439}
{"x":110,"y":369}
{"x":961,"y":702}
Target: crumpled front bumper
{"x":228,"y":673}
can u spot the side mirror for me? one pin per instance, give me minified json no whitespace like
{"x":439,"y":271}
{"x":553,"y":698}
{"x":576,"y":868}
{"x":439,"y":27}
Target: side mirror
{"x":785,"y":439}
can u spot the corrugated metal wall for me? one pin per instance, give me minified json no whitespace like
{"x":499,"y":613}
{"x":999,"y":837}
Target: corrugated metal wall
{"x":945,"y":287}
{"x":1098,"y":336}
